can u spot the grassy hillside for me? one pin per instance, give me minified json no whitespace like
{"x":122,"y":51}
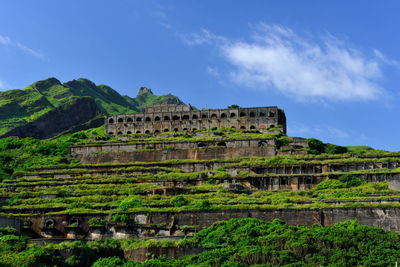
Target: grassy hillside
{"x":18,"y":107}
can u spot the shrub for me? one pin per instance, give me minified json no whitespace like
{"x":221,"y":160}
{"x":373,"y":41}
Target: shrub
{"x":97,"y":222}
{"x":329,"y":184}
{"x":203,"y":205}
{"x":130,"y":202}
{"x":179,"y":201}
{"x":108,"y":262}
{"x":349,"y":180}
{"x":79,"y":205}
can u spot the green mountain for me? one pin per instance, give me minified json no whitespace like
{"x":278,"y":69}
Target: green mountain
{"x":21,"y":107}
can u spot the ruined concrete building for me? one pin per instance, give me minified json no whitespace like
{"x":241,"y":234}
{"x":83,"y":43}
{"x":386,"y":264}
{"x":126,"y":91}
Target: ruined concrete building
{"x":173,"y":117}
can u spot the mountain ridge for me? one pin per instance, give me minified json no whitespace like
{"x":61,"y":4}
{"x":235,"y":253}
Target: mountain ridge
{"x":18,"y":107}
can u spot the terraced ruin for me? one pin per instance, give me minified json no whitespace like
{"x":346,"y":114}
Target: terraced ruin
{"x":172,"y":185}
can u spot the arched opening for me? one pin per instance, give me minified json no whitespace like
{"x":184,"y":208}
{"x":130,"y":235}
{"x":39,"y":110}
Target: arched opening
{"x":233,"y":115}
{"x":223,"y":115}
{"x":272,"y":126}
{"x":175,"y":117}
{"x":129,"y":132}
{"x":147,"y":119}
{"x":166,"y":118}
{"x":138,"y":119}
{"x":111,"y":133}
{"x":242,"y":114}
{"x":185,"y":117}
{"x":156,"y":132}
{"x":119,"y":133}
{"x":201,"y":145}
{"x":204,"y":116}
{"x":233,"y":127}
{"x":138,"y":132}
{"x":194,"y":117}
{"x":271,"y":114}
{"x":252,"y":114}
{"x":262,"y":114}
{"x":213,"y":116}
{"x":221,"y":144}
{"x":73,"y":222}
{"x":194,"y":129}
{"x":184,"y":129}
{"x":129,"y":120}
{"x":242,"y":128}
{"x":166,"y":130}
{"x":252,"y":127}
{"x":120,"y":120}
{"x":262,"y":143}
{"x":50,"y":223}
{"x":147,"y":132}
{"x":157,"y":118}
{"x":111,"y":121}
{"x":176,"y":129}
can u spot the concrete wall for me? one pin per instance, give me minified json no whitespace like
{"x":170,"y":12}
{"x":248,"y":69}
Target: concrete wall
{"x":172,"y":119}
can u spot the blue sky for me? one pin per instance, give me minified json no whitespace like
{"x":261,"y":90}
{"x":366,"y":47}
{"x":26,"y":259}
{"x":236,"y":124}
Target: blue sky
{"x":333,"y":66}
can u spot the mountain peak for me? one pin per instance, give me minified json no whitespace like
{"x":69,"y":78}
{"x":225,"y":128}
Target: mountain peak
{"x":144,"y":90}
{"x":44,"y":84}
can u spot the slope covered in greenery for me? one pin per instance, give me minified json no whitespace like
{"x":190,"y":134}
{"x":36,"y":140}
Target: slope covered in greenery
{"x":237,"y":242}
{"x":18,"y":107}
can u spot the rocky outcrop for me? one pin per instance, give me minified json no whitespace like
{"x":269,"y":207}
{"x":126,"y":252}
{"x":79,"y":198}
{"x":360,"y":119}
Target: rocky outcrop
{"x":76,"y":112}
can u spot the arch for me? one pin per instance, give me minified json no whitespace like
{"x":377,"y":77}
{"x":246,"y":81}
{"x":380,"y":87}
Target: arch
{"x":129,"y":119}
{"x":176,"y":129}
{"x":242,"y":127}
{"x":204,"y":116}
{"x":157,"y":118}
{"x":242,"y":114}
{"x":233,"y":115}
{"x":221,"y":144}
{"x":166,"y":118}
{"x":184,"y":129}
{"x":213,"y":116}
{"x":156,"y":132}
{"x":185,"y":117}
{"x":271,"y":114}
{"x":166,"y":130}
{"x":223,"y":115}
{"x":233,"y":127}
{"x":129,"y":132}
{"x":148,"y":119}
{"x":262,"y":143}
{"x":111,"y":121}
{"x":272,"y":126}
{"x":201,"y":145}
{"x":252,"y":127}
{"x":194,"y":129}
{"x":120,"y":120}
{"x":194,"y":117}
{"x":175,"y":117}
{"x":252,"y":114}
{"x":138,"y":131}
{"x":119,"y":133}
{"x":73,"y":221}
{"x":147,"y":132}
{"x":111,"y":133}
{"x":262,"y":114}
{"x":50,"y":223}
{"x":139,"y":119}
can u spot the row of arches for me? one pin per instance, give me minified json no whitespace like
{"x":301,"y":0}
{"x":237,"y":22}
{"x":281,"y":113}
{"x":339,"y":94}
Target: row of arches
{"x":252,"y":127}
{"x":194,"y":117}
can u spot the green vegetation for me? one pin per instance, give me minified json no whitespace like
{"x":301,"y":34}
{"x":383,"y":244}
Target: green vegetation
{"x":18,"y":107}
{"x":236,"y":242}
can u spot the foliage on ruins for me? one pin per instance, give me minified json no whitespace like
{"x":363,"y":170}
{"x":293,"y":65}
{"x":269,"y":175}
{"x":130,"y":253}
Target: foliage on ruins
{"x":236,"y":242}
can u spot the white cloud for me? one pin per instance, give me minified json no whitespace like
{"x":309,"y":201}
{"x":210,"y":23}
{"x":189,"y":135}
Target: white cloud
{"x":204,"y":37}
{"x":304,"y":68}
{"x":3,"y":85}
{"x":5,"y":40}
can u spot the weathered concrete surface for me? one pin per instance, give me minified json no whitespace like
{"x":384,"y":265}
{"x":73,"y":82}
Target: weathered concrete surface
{"x":170,"y":223}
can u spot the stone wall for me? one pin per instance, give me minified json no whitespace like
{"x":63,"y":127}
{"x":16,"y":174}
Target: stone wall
{"x":182,"y":118}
